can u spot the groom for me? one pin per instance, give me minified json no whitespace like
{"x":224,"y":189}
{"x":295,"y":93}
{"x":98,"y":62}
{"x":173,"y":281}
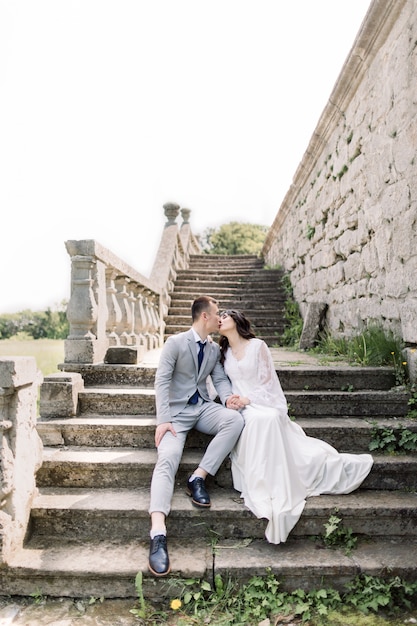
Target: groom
{"x":183,"y":403}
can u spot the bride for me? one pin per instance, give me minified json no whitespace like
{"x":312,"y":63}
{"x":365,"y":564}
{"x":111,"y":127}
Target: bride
{"x":275,"y":465}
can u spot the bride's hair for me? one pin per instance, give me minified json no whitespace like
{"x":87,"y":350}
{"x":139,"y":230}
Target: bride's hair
{"x":243,"y":327}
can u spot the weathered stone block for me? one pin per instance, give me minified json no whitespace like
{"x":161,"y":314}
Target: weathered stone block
{"x":126,"y":355}
{"x":353,"y":268}
{"x":336,"y":274}
{"x":17,"y":371}
{"x":59,"y":395}
{"x":410,"y":355}
{"x":85,"y":350}
{"x":409,"y":322}
{"x":313,"y":322}
{"x":324,"y":258}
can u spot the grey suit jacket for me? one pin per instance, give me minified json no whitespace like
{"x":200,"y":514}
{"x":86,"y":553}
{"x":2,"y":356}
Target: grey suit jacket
{"x":177,"y":376}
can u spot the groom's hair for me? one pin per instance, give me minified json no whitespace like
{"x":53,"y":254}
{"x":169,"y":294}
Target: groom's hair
{"x":201,"y":304}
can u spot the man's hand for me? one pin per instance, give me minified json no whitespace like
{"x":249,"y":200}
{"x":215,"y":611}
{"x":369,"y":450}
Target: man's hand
{"x":160,"y":431}
{"x":235,"y":402}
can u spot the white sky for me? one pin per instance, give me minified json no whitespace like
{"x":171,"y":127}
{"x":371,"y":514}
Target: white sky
{"x":110,"y":108}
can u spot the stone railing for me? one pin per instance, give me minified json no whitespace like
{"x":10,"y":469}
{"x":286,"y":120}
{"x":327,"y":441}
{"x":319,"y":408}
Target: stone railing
{"x":20,"y":449}
{"x":173,"y":253}
{"x":113,"y":310}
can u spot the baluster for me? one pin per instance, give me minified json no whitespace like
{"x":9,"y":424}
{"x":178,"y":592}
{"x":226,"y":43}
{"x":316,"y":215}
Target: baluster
{"x":133,"y":338}
{"x":114,"y":311}
{"x":153,"y":323}
{"x":140,"y":319}
{"x":148,"y":321}
{"x":123,"y":328}
{"x":156,"y":323}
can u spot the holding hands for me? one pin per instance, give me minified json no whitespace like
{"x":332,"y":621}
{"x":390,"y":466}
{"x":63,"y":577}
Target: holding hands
{"x":236,"y":402}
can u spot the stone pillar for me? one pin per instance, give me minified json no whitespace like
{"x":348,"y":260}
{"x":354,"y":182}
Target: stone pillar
{"x":20,"y":449}
{"x":87,"y":308}
{"x":164,"y":259}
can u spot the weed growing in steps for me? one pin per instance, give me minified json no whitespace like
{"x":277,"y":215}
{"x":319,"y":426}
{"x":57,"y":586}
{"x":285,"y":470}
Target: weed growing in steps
{"x":398,"y":440}
{"x":292,"y":316}
{"x":337,"y":535}
{"x":262,"y":600}
{"x":412,"y":403}
{"x":374,"y":346}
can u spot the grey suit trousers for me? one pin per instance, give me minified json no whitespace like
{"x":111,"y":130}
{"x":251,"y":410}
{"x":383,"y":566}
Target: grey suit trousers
{"x":207,"y":417}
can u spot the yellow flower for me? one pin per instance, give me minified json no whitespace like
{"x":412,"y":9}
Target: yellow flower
{"x":175,"y":604}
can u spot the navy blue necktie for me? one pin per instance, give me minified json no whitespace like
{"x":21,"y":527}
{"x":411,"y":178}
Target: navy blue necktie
{"x":200,"y":356}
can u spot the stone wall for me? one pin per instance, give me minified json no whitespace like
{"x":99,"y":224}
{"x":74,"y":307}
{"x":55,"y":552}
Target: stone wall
{"x":347,"y":228}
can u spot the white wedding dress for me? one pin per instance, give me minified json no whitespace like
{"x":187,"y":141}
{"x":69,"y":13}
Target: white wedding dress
{"x":275,"y":465}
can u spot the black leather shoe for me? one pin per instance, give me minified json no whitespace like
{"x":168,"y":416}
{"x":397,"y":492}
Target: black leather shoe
{"x":158,"y":556}
{"x":197,"y":490}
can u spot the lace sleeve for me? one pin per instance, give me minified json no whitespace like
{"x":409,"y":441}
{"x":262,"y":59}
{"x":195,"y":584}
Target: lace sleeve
{"x":267,"y":389}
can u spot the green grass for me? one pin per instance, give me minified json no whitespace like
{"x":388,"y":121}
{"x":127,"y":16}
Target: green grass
{"x":47,"y":352}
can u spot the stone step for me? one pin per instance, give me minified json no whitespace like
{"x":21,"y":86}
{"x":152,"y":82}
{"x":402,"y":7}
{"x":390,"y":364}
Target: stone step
{"x":218,"y":290}
{"x":244,"y":302}
{"x":84,"y":514}
{"x":220,"y":260}
{"x":364,"y":403}
{"x":248,"y":304}
{"x":345,"y":434}
{"x":119,"y":468}
{"x":108,"y":568}
{"x":232,"y":278}
{"x":226,"y":263}
{"x":221,"y":288}
{"x":229,"y":271}
{"x":117,"y":401}
{"x":337,"y":378}
{"x":104,"y":375}
{"x":245,"y":281}
{"x":270,"y":335}
{"x":292,"y":377}
{"x":275,"y":329}
{"x":263,"y":318}
{"x":261,"y":309}
{"x":302,"y":403}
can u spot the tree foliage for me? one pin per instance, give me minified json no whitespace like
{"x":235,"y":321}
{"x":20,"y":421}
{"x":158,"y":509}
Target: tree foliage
{"x":235,"y":238}
{"x":49,"y":324}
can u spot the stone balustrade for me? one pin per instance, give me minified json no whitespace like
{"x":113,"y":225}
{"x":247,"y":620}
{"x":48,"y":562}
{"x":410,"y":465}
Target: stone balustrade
{"x":20,"y":449}
{"x":112,"y":305}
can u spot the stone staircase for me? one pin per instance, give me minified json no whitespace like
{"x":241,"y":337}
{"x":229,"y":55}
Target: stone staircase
{"x":237,"y":282}
{"x":89,"y":526}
